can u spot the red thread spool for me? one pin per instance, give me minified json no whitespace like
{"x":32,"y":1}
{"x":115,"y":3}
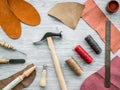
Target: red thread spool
{"x":112,"y":6}
{"x":88,"y":59}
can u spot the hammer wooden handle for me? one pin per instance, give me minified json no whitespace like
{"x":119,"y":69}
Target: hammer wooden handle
{"x":56,"y":64}
{"x":43,"y":80}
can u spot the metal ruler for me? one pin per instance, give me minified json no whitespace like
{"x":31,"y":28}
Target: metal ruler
{"x":107,"y":54}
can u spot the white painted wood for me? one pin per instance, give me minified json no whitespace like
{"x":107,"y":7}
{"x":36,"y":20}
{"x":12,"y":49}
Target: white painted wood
{"x":40,"y":55}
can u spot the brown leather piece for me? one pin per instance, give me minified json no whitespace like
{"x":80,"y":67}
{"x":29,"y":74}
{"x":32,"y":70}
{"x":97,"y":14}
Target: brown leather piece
{"x":8,"y":21}
{"x":25,"y":12}
{"x":25,"y":83}
{"x":68,"y":12}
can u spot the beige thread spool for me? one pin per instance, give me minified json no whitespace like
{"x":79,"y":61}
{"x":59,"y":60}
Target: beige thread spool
{"x":72,"y":63}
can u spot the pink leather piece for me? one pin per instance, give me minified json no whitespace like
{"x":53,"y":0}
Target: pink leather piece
{"x":96,"y":19}
{"x":96,"y":80}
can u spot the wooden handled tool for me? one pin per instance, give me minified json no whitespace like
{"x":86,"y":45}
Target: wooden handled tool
{"x":5,"y":45}
{"x":19,"y":79}
{"x":55,"y":58}
{"x":12,"y":61}
{"x":44,"y":74}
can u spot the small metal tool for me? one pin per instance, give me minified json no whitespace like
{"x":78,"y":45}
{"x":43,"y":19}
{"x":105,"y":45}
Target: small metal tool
{"x":5,"y":45}
{"x":48,"y":34}
{"x":44,"y":75}
{"x":107,"y":54}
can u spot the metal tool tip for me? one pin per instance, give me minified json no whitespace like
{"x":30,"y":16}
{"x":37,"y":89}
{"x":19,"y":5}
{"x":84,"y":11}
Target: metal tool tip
{"x":37,"y":43}
{"x":44,"y":67}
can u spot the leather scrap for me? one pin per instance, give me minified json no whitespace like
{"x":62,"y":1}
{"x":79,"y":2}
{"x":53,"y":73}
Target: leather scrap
{"x":96,"y":80}
{"x":24,"y":11}
{"x":25,"y":83}
{"x":96,"y":20}
{"x":68,"y":12}
{"x":8,"y":21}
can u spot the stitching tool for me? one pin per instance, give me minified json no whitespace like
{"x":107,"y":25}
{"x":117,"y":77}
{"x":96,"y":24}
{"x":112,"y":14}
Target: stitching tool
{"x":44,"y":74}
{"x":5,"y":45}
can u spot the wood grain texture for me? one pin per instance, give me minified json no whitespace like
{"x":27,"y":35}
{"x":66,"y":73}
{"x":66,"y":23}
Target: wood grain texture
{"x":40,"y":55}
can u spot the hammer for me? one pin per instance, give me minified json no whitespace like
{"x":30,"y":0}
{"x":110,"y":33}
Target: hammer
{"x":56,"y":62}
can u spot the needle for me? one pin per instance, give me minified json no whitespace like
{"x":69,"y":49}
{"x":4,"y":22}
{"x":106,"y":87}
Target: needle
{"x":19,"y":51}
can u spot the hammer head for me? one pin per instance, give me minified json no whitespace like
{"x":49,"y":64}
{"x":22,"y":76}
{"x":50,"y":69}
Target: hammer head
{"x":48,"y":34}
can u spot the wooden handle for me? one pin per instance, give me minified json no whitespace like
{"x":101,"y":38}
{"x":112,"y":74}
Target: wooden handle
{"x":19,"y":79}
{"x":56,"y":64}
{"x":27,"y":73}
{"x":3,"y":61}
{"x":12,"y":84}
{"x":43,"y":80}
{"x":5,"y":45}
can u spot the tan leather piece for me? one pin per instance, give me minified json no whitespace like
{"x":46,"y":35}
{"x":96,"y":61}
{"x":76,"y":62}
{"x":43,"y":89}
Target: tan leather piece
{"x":25,"y":12}
{"x":8,"y":21}
{"x":69,"y":13}
{"x":25,"y":83}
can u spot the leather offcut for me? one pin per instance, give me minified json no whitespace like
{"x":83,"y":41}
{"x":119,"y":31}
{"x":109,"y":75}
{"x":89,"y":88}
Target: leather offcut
{"x":12,"y":12}
{"x":25,"y":83}
{"x":68,"y":12}
{"x":96,"y":80}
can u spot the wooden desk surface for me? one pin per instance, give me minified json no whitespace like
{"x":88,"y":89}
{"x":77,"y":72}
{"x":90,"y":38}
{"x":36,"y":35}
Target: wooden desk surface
{"x":40,"y":55}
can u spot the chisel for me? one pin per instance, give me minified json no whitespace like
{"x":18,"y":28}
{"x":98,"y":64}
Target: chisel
{"x":12,"y":61}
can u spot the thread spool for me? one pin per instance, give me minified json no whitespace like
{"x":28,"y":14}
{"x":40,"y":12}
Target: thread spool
{"x":75,"y":67}
{"x":112,"y":6}
{"x":93,"y":44}
{"x":83,"y":54}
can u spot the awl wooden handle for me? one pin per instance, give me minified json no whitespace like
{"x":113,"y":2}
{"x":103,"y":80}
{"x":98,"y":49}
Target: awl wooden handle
{"x":56,"y":64}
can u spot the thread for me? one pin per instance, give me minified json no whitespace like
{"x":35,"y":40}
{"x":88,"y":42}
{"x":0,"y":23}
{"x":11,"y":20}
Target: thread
{"x":83,"y":54}
{"x":75,"y":67}
{"x":93,"y":44}
{"x":112,"y":6}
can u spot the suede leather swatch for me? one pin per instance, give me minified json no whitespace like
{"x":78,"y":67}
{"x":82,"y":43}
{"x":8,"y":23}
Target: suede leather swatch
{"x":96,"y":80}
{"x":25,"y":83}
{"x":24,"y":11}
{"x":8,"y":21}
{"x":14,"y":11}
{"x":68,"y":12}
{"x":96,"y":19}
